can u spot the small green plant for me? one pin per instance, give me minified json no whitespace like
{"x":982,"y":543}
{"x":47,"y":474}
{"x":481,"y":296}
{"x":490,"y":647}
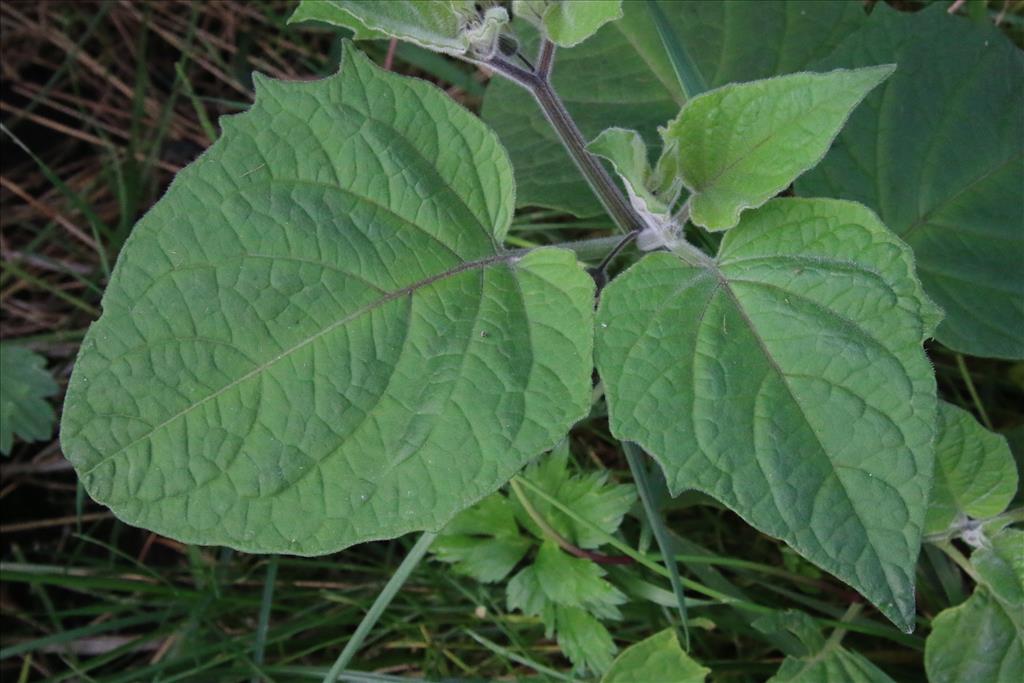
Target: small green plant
{"x":569,"y":594}
{"x":319,"y":337}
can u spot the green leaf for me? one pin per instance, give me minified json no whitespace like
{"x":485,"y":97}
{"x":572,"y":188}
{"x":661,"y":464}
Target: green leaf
{"x":974,"y":471}
{"x":801,"y":634}
{"x":938,"y":152}
{"x":589,"y":494}
{"x":24,"y":411}
{"x":583,"y":639}
{"x":568,"y":22}
{"x":450,"y":26}
{"x":622,"y":77}
{"x":981,"y":640}
{"x":1000,"y":564}
{"x":316,"y":339}
{"x":575,"y":582}
{"x":483,"y":541}
{"x":658,"y":659}
{"x":524,"y":593}
{"x":787,"y":379}
{"x":628,"y":153}
{"x":652,"y":192}
{"x":569,"y":594}
{"x":834,"y":664}
{"x":741,"y":144}
{"x":811,"y":658}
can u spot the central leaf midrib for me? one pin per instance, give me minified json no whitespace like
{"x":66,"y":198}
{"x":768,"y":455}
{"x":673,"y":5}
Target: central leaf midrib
{"x":388,"y":297}
{"x":803,"y":413}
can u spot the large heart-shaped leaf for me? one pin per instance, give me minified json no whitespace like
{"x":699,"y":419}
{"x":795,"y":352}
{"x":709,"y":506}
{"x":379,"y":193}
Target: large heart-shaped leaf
{"x":788,"y":380}
{"x":622,"y":77}
{"x":739,"y":145}
{"x":938,"y":152}
{"x":315,"y":338}
{"x":975,"y":475}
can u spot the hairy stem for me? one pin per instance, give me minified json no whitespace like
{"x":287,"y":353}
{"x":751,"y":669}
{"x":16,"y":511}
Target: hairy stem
{"x":593,"y":249}
{"x":539,"y":85}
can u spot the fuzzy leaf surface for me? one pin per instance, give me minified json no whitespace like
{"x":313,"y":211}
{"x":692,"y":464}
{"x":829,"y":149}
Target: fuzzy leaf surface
{"x":741,"y":144}
{"x":975,"y":475}
{"x":621,"y":77}
{"x":568,"y":22}
{"x":658,"y":659}
{"x":24,"y":388}
{"x":787,"y":379}
{"x":938,"y":152}
{"x":315,"y":338}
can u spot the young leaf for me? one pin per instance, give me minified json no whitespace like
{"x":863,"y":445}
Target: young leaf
{"x":583,"y":639}
{"x":787,"y":379}
{"x":974,"y":471}
{"x":568,"y":22}
{"x":575,"y":582}
{"x":315,"y":338}
{"x":652,"y":192}
{"x":569,"y":594}
{"x":25,"y":386}
{"x":589,"y":494}
{"x":622,"y":77}
{"x":451,"y":26}
{"x":980,"y":640}
{"x":741,"y":144}
{"x":938,"y":152}
{"x":658,"y":658}
{"x":483,"y":541}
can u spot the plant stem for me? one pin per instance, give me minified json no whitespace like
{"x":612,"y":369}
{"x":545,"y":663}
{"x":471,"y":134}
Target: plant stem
{"x":539,"y":85}
{"x":961,"y":561}
{"x":384,"y":599}
{"x":840,"y":632}
{"x":591,"y":249}
{"x":634,"y":456}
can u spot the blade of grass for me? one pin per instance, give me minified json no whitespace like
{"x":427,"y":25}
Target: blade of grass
{"x":384,"y":599}
{"x":518,"y":659}
{"x":690,"y":78}
{"x":95,"y":223}
{"x":634,"y":456}
{"x":266,"y":602}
